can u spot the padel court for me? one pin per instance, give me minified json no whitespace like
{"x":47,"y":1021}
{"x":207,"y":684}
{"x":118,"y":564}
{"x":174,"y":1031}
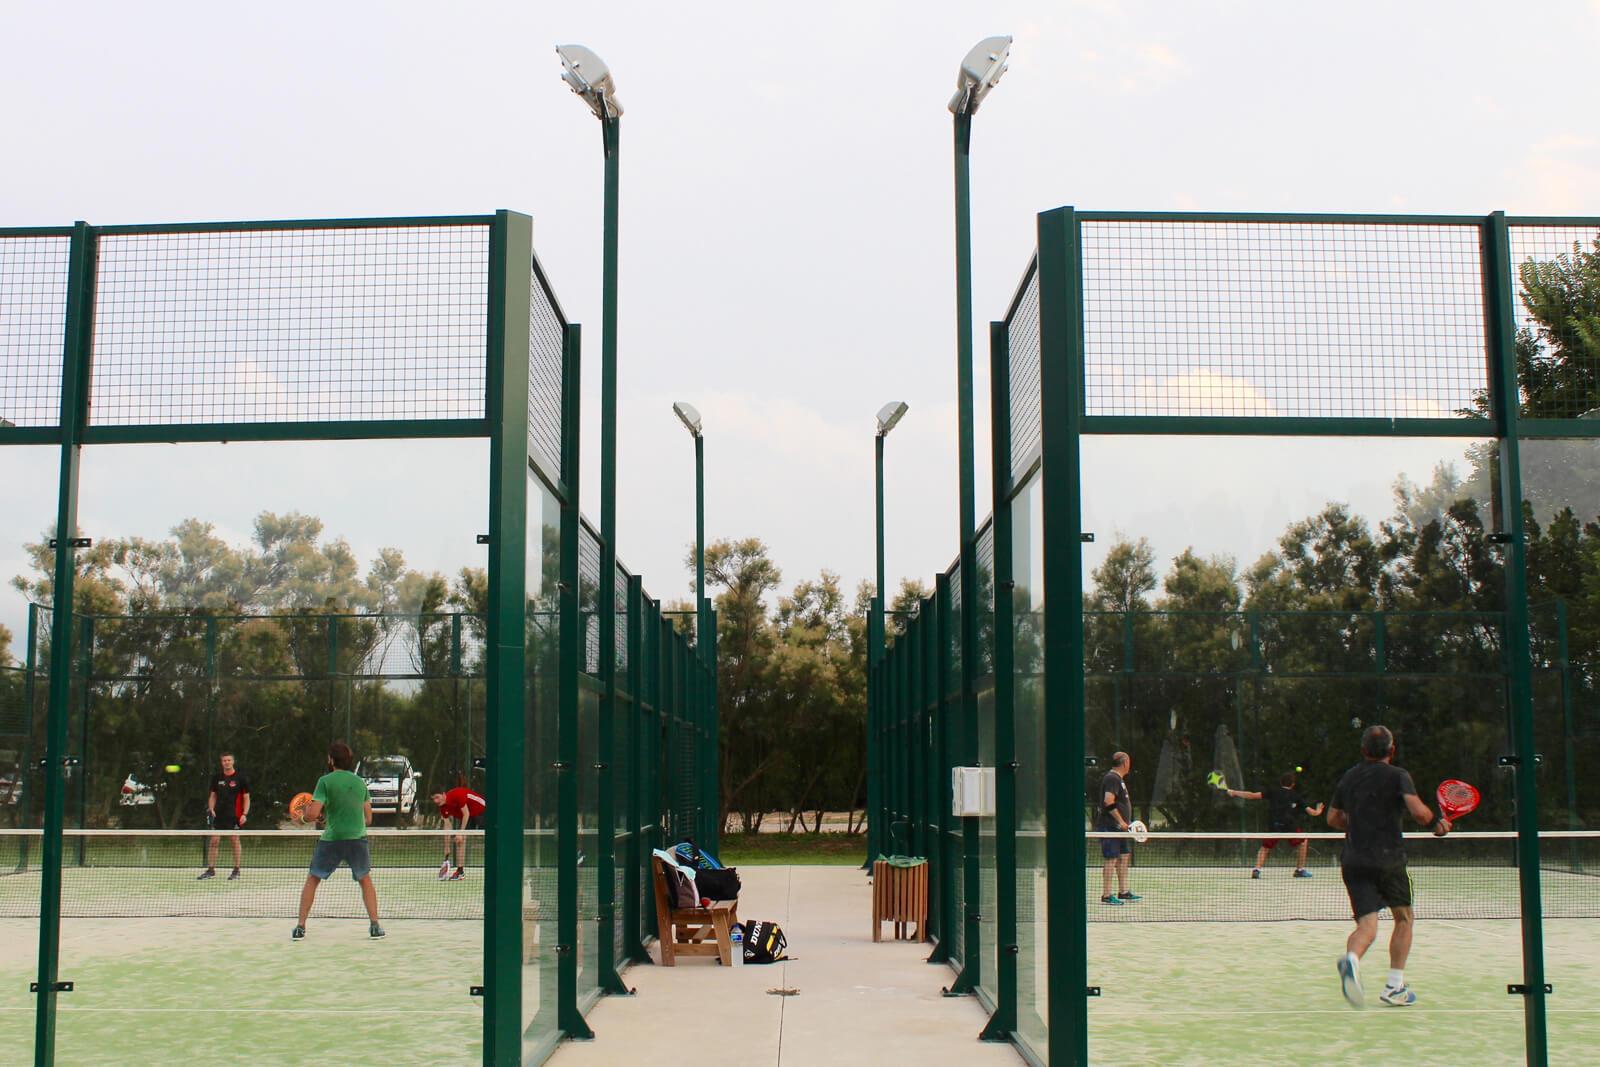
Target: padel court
{"x":584,"y":709}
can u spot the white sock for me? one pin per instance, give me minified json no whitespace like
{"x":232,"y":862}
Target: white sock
{"x":1397,"y":979}
{"x":1355,"y":961}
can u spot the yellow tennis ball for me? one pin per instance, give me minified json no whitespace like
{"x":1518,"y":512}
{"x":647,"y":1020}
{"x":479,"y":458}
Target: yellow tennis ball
{"x":173,"y":768}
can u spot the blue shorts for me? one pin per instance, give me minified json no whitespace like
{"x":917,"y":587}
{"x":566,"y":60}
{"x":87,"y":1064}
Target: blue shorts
{"x":1112,"y":847}
{"x":327,"y":856}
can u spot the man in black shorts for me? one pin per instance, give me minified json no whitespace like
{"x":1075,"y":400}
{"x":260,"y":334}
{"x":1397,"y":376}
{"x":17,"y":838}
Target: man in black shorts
{"x":1368,"y":805}
{"x":1284,"y":805}
{"x":227,"y":808}
{"x":1116,"y":814}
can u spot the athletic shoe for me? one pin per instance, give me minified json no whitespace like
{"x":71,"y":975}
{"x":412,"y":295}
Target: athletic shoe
{"x":1350,"y":981}
{"x":444,"y":870}
{"x":1255,"y":872}
{"x":1402,"y":997}
{"x":460,"y":873}
{"x":207,"y":873}
{"x":1111,"y":900}
{"x":375,"y":931}
{"x":1301,"y":872}
{"x":298,"y":934}
{"x":1129,"y":896}
{"x":234,"y":876}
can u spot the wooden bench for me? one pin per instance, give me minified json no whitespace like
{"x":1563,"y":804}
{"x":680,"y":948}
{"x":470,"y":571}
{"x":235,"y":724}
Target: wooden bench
{"x":692,"y":931}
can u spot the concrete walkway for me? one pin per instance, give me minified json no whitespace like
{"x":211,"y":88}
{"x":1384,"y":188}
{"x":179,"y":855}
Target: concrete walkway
{"x":856,"y":1002}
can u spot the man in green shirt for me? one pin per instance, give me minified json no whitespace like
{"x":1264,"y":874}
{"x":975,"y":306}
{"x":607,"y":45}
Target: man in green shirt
{"x":342,"y":797}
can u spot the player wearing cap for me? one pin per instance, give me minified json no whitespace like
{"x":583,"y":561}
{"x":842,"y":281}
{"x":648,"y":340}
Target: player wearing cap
{"x":1368,"y":805}
{"x":461,"y":809}
{"x":227,"y":808}
{"x":1284,"y":805}
{"x":1116,"y":815}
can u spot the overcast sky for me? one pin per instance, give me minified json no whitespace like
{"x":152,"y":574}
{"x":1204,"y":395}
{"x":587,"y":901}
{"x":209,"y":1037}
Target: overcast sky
{"x":786,"y":241}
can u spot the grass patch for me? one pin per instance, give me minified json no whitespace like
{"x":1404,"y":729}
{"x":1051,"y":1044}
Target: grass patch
{"x":750,"y":850}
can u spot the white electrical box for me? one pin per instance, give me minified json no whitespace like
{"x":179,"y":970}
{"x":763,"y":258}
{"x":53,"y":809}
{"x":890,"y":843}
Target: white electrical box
{"x":971,"y":791}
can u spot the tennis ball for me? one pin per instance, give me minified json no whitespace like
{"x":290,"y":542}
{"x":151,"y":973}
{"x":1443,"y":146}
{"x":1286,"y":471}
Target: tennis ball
{"x":173,"y":768}
{"x":1299,"y":769}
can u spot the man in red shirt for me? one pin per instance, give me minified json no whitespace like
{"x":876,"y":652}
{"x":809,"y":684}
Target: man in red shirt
{"x":461,"y":809}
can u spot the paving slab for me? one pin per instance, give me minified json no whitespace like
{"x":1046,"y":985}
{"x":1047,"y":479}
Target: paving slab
{"x":854,"y":1001}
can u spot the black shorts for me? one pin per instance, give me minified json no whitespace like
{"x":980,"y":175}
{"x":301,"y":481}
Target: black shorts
{"x":474,"y":822}
{"x":225,"y":822}
{"x":1372,"y":889}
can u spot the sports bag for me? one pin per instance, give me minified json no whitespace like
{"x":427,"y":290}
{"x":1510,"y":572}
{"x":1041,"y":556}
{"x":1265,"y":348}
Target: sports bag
{"x":764,"y":942}
{"x":680,"y":890}
{"x":718,"y":884}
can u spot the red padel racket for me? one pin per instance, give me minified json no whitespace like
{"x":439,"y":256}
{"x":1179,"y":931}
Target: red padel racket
{"x":1457,"y":798}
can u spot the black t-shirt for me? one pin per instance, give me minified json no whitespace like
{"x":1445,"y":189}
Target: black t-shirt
{"x":1374,"y":795}
{"x":1112,"y":783}
{"x":231,"y":789}
{"x":1284,"y":807}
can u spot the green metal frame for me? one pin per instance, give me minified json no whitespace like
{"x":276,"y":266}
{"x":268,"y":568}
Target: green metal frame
{"x":896,"y":675}
{"x":651,"y":654}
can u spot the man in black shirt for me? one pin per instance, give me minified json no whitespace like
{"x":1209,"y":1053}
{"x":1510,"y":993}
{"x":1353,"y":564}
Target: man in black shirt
{"x":1284,"y":805}
{"x":1368,"y":805}
{"x":227,"y":808}
{"x":1116,"y":815}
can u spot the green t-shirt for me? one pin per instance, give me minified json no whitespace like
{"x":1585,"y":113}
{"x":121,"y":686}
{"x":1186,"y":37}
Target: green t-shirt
{"x":344,"y":798}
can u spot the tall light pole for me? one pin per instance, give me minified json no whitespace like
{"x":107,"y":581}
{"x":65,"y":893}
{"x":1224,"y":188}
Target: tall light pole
{"x":588,"y":76}
{"x":888,"y":415}
{"x":691,"y":420}
{"x":980,"y":72}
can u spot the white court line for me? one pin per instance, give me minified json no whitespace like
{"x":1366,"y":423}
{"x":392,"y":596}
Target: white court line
{"x":1144,"y":1013}
{"x":66,"y":1010}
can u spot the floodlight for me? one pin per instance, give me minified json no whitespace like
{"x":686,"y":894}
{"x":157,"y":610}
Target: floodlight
{"x":980,"y":72}
{"x":688,"y":416}
{"x":890,"y":414}
{"x":590,"y":78}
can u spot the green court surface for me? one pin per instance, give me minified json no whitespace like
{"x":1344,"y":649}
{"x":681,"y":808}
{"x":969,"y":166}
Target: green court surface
{"x":1192,"y":993}
{"x":238,"y":990}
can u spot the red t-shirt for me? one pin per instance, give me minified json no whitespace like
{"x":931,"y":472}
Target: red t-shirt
{"x":461,"y":801}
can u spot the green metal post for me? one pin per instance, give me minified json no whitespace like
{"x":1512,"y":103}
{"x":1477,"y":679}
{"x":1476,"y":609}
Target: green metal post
{"x":77,"y":354}
{"x":1500,"y":329}
{"x":568,"y":1017}
{"x":510,"y":259}
{"x":1568,"y":729}
{"x":712,"y":774}
{"x":30,"y":691}
{"x":1061,"y":392}
{"x":968,"y":979}
{"x":605,"y":846}
{"x":632,"y":946}
{"x":1003,"y":1023}
{"x":945,"y":873}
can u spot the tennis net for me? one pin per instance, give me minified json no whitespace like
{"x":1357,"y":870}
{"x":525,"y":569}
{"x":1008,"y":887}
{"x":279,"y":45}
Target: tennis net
{"x":155,"y":873}
{"x":1208,"y":877}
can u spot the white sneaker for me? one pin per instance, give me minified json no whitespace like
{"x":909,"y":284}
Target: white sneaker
{"x":1350,"y":981}
{"x":1398,"y":997}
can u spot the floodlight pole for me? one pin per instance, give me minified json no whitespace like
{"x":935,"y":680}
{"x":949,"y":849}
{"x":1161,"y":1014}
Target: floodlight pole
{"x":701,"y":641}
{"x":967,"y":980}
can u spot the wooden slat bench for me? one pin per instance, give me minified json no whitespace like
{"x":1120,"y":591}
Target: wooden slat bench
{"x":692,"y":931}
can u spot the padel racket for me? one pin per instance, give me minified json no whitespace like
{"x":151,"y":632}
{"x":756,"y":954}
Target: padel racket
{"x":1218,"y":781}
{"x":300,"y":801}
{"x":1457,"y":798}
{"x":1139,"y":831}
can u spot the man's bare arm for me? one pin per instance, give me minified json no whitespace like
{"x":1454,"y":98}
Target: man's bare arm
{"x":1338,"y":819}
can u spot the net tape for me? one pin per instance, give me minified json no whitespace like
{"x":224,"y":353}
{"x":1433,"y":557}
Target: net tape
{"x":153,"y":874}
{"x":1206,"y":877}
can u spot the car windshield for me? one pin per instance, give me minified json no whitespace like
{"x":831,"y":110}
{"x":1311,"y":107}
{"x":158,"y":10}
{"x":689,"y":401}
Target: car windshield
{"x":382,"y":769}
